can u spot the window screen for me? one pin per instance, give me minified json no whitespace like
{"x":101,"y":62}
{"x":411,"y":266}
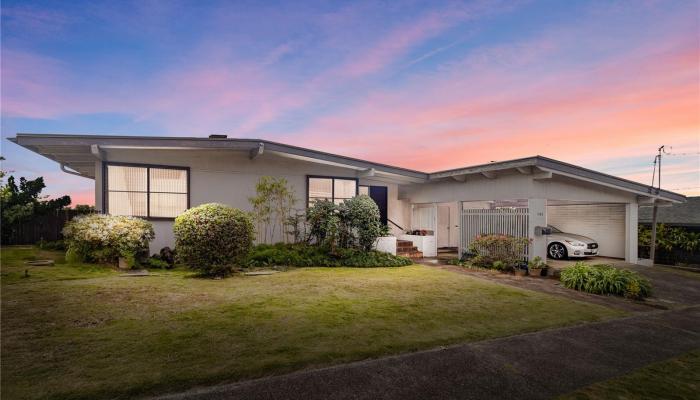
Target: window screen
{"x":143,"y":191}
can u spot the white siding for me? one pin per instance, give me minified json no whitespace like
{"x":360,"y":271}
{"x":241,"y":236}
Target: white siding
{"x":603,"y":222}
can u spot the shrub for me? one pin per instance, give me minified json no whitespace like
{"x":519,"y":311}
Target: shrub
{"x":499,"y":265}
{"x":504,"y":248}
{"x":305,"y":255}
{"x":324,"y":222}
{"x":168,"y":255}
{"x":211,"y":238}
{"x":536,"y":263}
{"x":605,"y":279}
{"x":105,"y":238}
{"x":156,"y":262}
{"x":360,"y":215}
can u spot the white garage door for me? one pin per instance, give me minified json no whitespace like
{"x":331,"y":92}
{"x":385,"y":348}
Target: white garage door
{"x":603,"y":222}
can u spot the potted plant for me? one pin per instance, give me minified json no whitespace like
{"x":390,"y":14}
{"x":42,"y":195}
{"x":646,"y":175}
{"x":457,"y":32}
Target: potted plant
{"x":520,"y":268}
{"x":537,"y":267}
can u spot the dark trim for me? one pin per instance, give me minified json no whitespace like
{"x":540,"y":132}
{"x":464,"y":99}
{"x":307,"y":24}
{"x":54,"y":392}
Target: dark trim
{"x":333,"y":178}
{"x":105,"y":185}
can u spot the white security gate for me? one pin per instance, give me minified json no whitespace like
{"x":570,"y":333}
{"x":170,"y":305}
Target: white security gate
{"x":504,"y":221}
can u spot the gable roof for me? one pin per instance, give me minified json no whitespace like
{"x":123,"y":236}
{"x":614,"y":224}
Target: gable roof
{"x":79,"y":152}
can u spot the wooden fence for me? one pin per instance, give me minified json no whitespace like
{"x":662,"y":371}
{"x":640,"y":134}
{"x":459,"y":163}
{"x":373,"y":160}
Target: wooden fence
{"x":40,"y":227}
{"x":504,"y":221}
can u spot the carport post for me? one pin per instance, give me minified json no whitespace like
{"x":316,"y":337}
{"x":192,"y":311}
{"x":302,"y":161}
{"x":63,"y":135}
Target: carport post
{"x":537,"y":210}
{"x":631,"y":234}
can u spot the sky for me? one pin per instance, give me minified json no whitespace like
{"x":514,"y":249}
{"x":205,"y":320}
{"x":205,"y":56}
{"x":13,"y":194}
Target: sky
{"x":424,"y":85}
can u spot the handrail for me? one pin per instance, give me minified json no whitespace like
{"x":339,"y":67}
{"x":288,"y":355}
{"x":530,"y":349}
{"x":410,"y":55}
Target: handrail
{"x":396,"y":225}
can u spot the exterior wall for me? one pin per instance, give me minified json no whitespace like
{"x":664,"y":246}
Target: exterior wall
{"x":515,"y":186}
{"x":230,"y":177}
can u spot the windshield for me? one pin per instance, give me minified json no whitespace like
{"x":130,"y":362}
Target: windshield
{"x":554,"y":229}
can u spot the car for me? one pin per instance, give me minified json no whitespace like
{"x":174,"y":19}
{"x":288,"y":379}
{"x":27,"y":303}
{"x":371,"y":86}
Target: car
{"x":562,"y":245}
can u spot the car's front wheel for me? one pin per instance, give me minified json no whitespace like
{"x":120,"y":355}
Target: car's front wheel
{"x":557,"y":251}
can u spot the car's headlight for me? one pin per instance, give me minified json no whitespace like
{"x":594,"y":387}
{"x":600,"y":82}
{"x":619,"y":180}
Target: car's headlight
{"x":575,"y":243}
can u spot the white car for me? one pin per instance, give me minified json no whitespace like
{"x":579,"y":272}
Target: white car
{"x":561,"y":245}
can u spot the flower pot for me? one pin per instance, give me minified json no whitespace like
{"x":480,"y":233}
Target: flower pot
{"x":123,"y":264}
{"x":535,"y":271}
{"x":520,"y":272}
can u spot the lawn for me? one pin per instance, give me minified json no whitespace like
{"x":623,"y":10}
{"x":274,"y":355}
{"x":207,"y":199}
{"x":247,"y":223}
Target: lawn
{"x":82,"y":331}
{"x":678,"y":378}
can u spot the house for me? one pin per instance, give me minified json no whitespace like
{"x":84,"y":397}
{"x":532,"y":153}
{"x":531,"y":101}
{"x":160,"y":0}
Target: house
{"x":683,"y":215}
{"x":159,"y":177}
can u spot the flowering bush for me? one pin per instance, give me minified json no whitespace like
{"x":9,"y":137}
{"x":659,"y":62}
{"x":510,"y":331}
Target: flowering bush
{"x":490,"y":248}
{"x":104,"y":238}
{"x":361,"y":218}
{"x":213,"y":237}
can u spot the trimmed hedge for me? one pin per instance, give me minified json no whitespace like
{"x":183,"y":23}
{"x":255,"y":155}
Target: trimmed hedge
{"x":605,"y":279}
{"x":105,"y":238}
{"x":212,"y":238}
{"x":304,"y":255}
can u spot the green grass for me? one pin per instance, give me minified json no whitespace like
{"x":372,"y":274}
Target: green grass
{"x":677,"y":378}
{"x":82,"y":331}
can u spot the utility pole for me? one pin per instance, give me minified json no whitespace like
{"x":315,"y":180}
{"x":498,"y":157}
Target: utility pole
{"x":652,"y":249}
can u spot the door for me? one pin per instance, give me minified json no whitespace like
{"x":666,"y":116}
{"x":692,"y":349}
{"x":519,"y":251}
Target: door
{"x":605,"y":223}
{"x":443,"y":226}
{"x":380,"y":196}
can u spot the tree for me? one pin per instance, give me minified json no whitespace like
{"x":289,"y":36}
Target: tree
{"x":272,"y":207}
{"x":20,"y":203}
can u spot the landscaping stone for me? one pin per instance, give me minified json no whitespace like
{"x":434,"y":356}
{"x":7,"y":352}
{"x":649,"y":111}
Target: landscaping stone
{"x":139,"y":272}
{"x":40,"y":263}
{"x":263,"y":272}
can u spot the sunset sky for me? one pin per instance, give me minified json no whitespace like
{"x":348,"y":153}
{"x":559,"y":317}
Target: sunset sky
{"x":424,"y":85}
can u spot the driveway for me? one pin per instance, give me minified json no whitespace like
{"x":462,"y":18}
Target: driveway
{"x":672,"y":287}
{"x":539,"y":365}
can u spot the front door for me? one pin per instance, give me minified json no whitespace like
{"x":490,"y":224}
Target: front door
{"x":443,"y":226}
{"x":380,"y":196}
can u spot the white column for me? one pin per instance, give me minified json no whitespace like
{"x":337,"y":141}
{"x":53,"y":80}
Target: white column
{"x":537,"y":217}
{"x":631,"y":212}
{"x":98,"y":186}
{"x":460,"y":244}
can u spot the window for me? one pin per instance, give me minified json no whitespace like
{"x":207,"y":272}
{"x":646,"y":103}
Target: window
{"x":146,"y":191}
{"x":336,"y":190}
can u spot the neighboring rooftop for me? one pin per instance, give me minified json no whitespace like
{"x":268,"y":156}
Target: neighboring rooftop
{"x":80,"y":152}
{"x":682,"y":214}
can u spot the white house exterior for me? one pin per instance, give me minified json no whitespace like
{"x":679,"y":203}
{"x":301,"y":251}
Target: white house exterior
{"x":158,"y":177}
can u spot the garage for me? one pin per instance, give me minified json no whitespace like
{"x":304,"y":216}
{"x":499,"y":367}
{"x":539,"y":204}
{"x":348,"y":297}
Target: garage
{"x":603,"y":222}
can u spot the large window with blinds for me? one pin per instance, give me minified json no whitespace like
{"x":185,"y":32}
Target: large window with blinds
{"x":146,"y":191}
{"x":333,"y":189}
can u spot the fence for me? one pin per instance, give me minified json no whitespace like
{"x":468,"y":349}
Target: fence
{"x":40,"y":227}
{"x":672,"y":257}
{"x":504,"y":221}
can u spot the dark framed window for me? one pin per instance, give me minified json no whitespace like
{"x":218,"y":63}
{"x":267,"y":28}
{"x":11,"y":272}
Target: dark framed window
{"x":330,"y":188}
{"x":149,"y":191}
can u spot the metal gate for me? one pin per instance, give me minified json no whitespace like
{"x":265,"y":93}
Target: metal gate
{"x":504,"y":221}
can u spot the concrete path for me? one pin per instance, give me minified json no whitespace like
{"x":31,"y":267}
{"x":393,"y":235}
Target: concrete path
{"x":539,"y":365}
